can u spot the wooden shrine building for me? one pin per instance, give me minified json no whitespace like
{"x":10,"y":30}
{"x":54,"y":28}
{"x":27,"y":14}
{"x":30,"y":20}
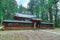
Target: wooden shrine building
{"x":25,"y":21}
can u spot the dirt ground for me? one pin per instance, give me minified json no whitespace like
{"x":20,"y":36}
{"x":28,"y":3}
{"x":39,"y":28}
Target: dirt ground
{"x":28,"y":35}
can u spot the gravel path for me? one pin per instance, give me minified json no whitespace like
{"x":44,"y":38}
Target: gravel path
{"x":30,"y":35}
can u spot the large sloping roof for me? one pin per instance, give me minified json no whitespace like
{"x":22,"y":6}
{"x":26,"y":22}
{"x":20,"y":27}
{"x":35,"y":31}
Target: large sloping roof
{"x":25,"y":15}
{"x":17,"y":21}
{"x":36,"y":19}
{"x":46,"y":23}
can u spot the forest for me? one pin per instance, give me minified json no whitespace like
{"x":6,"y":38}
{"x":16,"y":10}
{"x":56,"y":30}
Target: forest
{"x":47,"y":10}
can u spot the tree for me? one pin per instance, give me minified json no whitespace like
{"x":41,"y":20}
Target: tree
{"x":1,"y":12}
{"x":50,"y":10}
{"x":55,"y":12}
{"x":31,"y":6}
{"x":44,"y":8}
{"x":50,"y":14}
{"x":9,"y":8}
{"x":22,"y":9}
{"x":34,"y":7}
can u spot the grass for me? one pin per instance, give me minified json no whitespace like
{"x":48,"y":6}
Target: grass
{"x":13,"y":36}
{"x":53,"y":30}
{"x":57,"y":29}
{"x":5,"y":35}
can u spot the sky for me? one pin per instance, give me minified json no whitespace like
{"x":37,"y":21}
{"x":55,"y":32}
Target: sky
{"x":58,"y":5}
{"x":23,"y":2}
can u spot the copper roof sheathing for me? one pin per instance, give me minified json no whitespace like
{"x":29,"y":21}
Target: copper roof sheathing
{"x":17,"y":21}
{"x":25,"y":15}
{"x":46,"y":23}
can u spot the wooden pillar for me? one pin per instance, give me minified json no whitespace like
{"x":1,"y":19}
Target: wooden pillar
{"x":34,"y":25}
{"x":5,"y":25}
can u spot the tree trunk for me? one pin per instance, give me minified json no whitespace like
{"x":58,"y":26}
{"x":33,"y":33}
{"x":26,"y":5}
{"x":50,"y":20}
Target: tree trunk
{"x":56,"y":20}
{"x":50,"y":14}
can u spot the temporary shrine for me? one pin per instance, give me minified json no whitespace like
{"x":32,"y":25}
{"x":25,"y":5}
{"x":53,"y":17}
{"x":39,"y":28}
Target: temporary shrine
{"x":26,"y":21}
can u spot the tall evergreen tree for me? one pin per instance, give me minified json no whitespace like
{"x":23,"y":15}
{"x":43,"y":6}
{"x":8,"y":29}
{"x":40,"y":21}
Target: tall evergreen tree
{"x":9,"y":8}
{"x":43,"y":7}
{"x":34,"y":7}
{"x":55,"y":12}
{"x":1,"y":11}
{"x":22,"y":9}
{"x":31,"y":6}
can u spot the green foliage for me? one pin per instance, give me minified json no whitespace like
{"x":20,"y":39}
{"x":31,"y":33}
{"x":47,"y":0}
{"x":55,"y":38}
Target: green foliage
{"x":22,"y":9}
{"x":1,"y":8}
{"x":34,"y":7}
{"x":31,"y":6}
{"x":44,"y":7}
{"x":1,"y":14}
{"x":9,"y":8}
{"x":40,"y":8}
